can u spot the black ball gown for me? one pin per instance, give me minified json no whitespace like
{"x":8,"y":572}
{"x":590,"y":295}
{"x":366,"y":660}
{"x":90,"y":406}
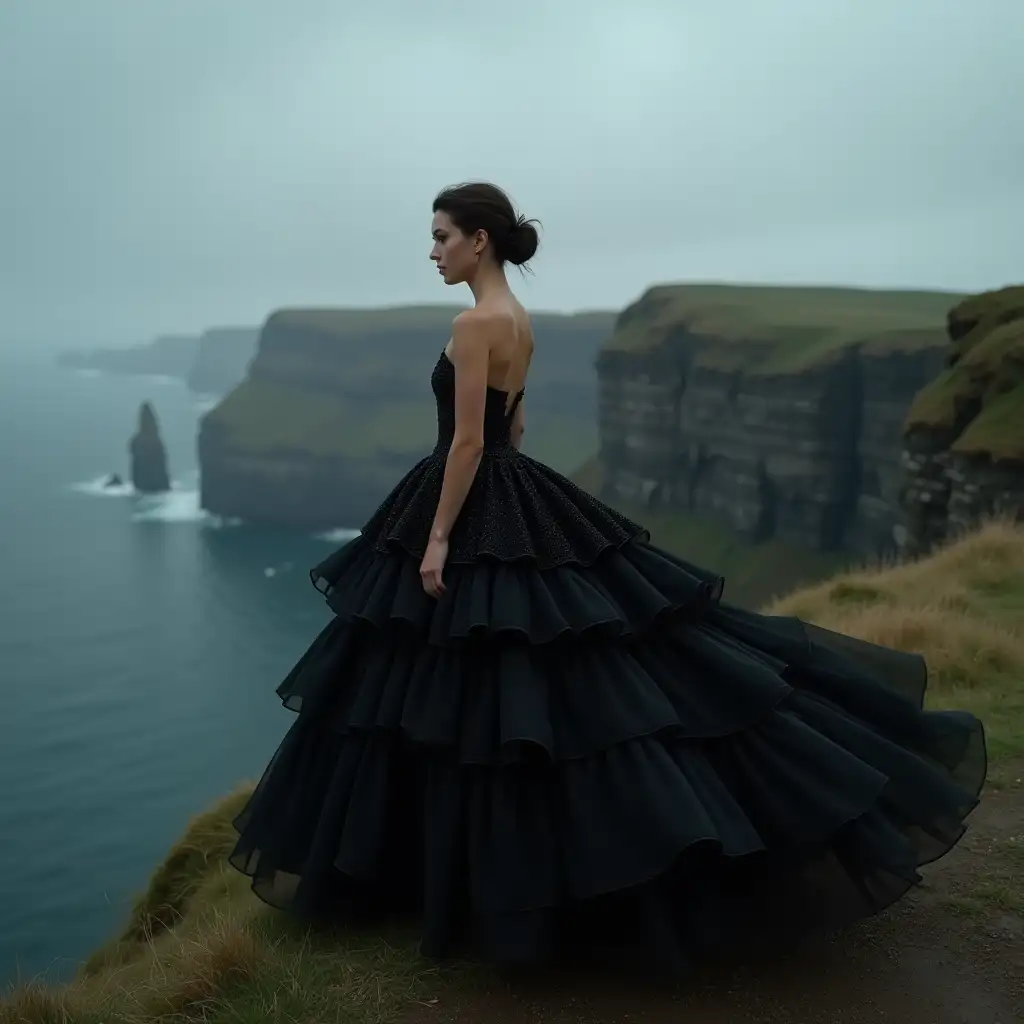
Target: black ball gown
{"x":581,"y":746}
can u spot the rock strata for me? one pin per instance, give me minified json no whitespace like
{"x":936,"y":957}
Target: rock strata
{"x":963,"y":448}
{"x":778,"y":412}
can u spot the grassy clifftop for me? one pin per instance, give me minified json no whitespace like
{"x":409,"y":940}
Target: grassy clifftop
{"x":978,"y":401}
{"x":780,"y":329}
{"x":200,"y":948}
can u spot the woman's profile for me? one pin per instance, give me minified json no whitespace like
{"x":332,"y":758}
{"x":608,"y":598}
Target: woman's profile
{"x":540,"y":734}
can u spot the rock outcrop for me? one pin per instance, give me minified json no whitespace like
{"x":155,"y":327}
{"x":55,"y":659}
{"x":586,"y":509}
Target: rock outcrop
{"x":963,"y":456}
{"x":777,"y":411}
{"x":222,"y":358}
{"x":170,"y":355}
{"x":148,"y":456}
{"x":336,"y":406}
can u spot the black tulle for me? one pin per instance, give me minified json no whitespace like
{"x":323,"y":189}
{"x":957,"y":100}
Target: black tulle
{"x":580,"y":746}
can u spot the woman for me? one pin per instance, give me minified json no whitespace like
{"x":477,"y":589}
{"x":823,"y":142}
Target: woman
{"x":541,"y":734}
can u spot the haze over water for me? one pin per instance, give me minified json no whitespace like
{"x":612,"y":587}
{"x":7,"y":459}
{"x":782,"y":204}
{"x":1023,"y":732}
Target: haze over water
{"x":139,"y":650}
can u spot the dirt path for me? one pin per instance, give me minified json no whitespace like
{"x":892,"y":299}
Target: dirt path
{"x":951,"y":953}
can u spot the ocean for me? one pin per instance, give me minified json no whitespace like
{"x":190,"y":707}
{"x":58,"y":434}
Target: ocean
{"x":140,"y":645}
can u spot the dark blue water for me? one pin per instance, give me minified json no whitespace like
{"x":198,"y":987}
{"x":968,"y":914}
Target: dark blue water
{"x":140,"y":645}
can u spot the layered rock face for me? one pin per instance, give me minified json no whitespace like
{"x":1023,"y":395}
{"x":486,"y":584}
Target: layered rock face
{"x":148,"y":455}
{"x":336,"y":406}
{"x":963,"y":453}
{"x":776,"y":411}
{"x":222,"y":358}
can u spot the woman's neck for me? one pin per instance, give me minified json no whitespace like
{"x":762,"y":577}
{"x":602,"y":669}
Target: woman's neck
{"x":489,"y":282}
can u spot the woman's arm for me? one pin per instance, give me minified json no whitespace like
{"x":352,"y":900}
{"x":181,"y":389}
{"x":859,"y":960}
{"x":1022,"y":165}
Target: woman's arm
{"x":472,"y":335}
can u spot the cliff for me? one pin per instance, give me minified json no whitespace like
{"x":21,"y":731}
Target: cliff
{"x":169,"y":355}
{"x":336,"y":406}
{"x":964,"y":440}
{"x":222,"y":357}
{"x":148,"y":455}
{"x":775,"y":411}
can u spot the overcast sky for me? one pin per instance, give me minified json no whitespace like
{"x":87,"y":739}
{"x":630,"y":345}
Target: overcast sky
{"x":168,"y":165}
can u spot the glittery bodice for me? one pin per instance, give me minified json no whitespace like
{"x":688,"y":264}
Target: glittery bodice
{"x":498,"y":411}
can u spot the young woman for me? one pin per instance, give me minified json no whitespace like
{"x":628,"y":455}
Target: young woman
{"x":540,"y":734}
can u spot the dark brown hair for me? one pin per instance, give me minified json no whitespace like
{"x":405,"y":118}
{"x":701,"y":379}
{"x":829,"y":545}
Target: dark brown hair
{"x":479,"y":205}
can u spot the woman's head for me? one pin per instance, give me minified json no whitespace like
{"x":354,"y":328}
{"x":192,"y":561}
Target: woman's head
{"x":474,"y":223}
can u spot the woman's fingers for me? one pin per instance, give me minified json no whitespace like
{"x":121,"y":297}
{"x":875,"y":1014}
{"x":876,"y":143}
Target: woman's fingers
{"x":432,"y":582}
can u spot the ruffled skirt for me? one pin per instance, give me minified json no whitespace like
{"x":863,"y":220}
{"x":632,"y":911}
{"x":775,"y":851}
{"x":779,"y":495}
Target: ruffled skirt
{"x":598,"y":753}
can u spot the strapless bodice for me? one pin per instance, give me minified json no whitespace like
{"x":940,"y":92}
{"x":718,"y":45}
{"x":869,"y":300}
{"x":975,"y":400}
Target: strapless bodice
{"x":498,"y":412}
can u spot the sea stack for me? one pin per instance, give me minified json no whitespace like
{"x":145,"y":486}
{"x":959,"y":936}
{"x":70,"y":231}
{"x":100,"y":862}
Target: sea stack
{"x":148,"y":455}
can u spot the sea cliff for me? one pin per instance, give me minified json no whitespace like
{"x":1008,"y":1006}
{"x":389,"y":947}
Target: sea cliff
{"x":778,"y":412}
{"x":963,"y":454}
{"x":222,"y":358}
{"x":336,"y":406}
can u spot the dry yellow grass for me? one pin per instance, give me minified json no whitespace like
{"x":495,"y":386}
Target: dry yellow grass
{"x":198,"y":947}
{"x":962,"y":607}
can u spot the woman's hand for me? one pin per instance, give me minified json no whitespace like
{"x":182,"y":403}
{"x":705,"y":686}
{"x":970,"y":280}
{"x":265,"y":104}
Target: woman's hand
{"x":433,"y":563}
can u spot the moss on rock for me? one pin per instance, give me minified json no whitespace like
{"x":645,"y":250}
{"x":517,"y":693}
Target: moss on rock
{"x":977,"y":402}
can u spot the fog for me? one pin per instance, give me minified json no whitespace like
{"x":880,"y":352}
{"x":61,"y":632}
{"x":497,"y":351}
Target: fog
{"x":175,"y":164}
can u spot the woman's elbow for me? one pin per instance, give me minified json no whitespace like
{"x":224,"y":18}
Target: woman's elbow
{"x":470,"y":447}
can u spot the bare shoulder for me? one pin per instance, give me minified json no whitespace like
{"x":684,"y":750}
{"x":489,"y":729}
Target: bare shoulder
{"x":482,"y":319}
{"x":479,"y":328}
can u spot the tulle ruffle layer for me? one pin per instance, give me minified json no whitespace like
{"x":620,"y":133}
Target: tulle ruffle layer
{"x":621,"y":594}
{"x":622,"y":758}
{"x":516,"y":509}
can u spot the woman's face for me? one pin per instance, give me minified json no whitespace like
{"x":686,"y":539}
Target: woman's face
{"x":454,"y":253}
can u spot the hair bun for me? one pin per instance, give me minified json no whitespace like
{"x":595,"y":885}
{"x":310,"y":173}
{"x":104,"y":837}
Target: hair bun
{"x":521,"y":243}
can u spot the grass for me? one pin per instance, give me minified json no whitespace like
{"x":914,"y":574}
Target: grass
{"x":198,"y":947}
{"x":779,"y":330}
{"x":978,"y":401}
{"x":962,"y":607}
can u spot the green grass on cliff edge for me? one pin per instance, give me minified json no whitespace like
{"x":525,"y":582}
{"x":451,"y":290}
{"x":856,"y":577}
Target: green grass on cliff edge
{"x":768,"y":330}
{"x":980,"y":398}
{"x":199,"y":947}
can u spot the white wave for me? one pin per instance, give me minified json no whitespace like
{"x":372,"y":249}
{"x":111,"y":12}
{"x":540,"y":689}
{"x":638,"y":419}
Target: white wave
{"x":97,"y":488}
{"x":270,"y":572}
{"x":339,"y":536}
{"x":176,"y":506}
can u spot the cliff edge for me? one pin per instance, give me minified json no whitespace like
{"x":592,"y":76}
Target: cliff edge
{"x":222,"y":357}
{"x":336,"y":406}
{"x":775,"y":411}
{"x":148,"y":455}
{"x":964,"y":440}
